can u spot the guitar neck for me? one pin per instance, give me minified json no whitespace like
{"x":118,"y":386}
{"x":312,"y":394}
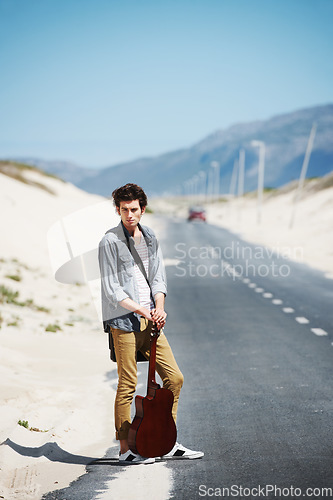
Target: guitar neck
{"x":152,"y":363}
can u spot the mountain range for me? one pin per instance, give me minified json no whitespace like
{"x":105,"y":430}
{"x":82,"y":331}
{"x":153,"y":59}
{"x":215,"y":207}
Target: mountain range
{"x":285,"y":137}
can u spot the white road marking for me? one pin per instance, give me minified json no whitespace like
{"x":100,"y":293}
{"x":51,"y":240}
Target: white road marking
{"x":121,"y":484}
{"x":302,"y":320}
{"x":171,"y":262}
{"x":288,"y":310}
{"x":319,"y":331}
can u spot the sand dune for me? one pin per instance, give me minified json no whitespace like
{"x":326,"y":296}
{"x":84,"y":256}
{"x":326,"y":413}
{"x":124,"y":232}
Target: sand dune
{"x":53,"y":380}
{"x":310,"y":237}
{"x":55,"y":372}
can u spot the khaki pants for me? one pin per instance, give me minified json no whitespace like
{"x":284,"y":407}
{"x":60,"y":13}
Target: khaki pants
{"x":126,"y":344}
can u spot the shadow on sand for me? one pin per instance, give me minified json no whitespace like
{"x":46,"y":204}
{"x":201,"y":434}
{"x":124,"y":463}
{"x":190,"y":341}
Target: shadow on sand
{"x":54,"y":453}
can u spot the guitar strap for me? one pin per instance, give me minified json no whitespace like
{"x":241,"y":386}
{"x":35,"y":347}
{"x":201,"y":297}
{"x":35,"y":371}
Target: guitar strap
{"x":138,"y":261}
{"x":136,"y":257}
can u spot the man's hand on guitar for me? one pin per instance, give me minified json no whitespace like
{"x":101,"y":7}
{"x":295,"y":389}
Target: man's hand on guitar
{"x":159,"y":317}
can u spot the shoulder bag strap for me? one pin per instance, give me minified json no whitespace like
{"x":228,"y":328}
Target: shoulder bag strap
{"x":139,"y":262}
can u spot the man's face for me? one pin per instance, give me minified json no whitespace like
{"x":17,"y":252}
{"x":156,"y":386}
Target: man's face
{"x":130,"y":213}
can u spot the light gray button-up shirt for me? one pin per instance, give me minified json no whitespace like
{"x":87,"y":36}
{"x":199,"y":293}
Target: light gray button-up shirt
{"x":117,"y":276}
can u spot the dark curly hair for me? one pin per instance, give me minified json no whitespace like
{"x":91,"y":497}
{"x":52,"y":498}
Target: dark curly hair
{"x":129,"y":192}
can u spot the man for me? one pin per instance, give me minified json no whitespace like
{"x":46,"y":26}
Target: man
{"x":129,"y":312}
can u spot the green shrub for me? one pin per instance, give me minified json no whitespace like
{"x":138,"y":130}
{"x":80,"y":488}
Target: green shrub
{"x":14,"y":277}
{"x":24,"y":423}
{"x":13,"y":323}
{"x":7,"y":296}
{"x":42,"y":309}
{"x":52,"y":328}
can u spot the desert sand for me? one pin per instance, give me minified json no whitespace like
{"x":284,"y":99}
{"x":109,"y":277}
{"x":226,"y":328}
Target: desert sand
{"x":55,"y":372}
{"x":302,"y":232}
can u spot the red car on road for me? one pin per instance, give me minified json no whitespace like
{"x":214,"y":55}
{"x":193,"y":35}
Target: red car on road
{"x":197,"y":213}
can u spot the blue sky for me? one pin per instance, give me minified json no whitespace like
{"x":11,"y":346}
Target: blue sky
{"x":98,"y":82}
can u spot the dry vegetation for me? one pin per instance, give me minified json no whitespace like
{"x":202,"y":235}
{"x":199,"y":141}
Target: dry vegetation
{"x":17,"y":171}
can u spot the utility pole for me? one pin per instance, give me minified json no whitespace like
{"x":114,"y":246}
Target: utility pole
{"x":241,"y":172}
{"x":216,"y":166}
{"x":261,"y":170}
{"x":232,"y":189}
{"x":303,"y":172}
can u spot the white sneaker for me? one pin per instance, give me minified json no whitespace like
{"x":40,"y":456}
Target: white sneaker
{"x":130,"y":458}
{"x":180,"y":452}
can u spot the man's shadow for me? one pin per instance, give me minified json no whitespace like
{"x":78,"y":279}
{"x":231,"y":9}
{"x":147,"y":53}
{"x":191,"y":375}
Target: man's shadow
{"x":54,"y":453}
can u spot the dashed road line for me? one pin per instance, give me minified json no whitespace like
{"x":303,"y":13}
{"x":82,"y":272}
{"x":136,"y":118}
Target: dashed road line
{"x":319,"y":331}
{"x":288,"y":310}
{"x":302,"y":320}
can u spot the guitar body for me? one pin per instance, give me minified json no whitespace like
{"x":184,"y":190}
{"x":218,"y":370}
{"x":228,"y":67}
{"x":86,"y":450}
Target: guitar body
{"x":153,"y":431}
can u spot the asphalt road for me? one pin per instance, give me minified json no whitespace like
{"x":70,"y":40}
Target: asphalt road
{"x":253,"y":335}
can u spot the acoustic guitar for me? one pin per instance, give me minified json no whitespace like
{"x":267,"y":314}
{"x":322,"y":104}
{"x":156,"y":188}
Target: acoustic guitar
{"x":153,"y":431}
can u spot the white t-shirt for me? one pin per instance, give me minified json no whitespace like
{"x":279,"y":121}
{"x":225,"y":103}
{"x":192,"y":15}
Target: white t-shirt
{"x":144,"y":290}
